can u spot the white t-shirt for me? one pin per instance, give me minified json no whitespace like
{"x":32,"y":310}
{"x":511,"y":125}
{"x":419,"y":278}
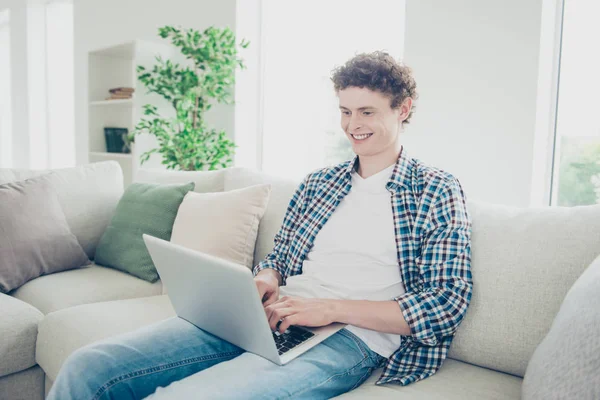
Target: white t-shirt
{"x":354,"y":256}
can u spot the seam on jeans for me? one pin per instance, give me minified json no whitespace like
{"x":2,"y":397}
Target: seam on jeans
{"x":159,"y":368}
{"x":362,"y":379}
{"x":347,"y":372}
{"x":356,"y":340}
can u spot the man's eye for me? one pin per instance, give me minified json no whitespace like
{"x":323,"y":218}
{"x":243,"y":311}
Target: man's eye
{"x":367,"y":113}
{"x":346,"y":112}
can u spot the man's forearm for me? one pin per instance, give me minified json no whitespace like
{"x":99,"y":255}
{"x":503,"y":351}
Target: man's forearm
{"x":381,"y":316}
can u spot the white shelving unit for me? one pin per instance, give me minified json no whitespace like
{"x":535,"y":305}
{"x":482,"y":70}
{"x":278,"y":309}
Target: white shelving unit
{"x":113,"y":67}
{"x":111,"y":102}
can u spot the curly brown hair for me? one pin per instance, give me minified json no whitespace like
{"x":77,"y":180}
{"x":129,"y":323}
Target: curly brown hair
{"x":377,"y":71}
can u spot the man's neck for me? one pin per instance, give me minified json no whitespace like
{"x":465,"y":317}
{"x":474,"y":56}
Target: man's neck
{"x":369,"y":166}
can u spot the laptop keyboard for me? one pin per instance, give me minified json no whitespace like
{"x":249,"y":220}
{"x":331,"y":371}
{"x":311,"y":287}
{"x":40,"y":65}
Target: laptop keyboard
{"x":291,"y":338}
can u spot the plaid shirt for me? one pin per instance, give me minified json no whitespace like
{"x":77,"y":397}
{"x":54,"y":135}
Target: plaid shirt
{"x":433,"y":242}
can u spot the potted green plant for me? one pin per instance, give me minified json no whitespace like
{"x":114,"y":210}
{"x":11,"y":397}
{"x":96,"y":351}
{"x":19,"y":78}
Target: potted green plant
{"x":185,"y":141}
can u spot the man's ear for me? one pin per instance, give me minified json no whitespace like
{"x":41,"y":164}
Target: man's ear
{"x":405,"y":108}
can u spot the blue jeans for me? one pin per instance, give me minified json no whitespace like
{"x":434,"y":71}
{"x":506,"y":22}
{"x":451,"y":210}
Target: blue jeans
{"x":174,"y":359}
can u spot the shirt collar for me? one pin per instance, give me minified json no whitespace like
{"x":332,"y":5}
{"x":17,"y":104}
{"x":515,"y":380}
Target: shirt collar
{"x":401,"y":174}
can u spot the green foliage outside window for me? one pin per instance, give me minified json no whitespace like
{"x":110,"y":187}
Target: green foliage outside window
{"x":579,"y":172}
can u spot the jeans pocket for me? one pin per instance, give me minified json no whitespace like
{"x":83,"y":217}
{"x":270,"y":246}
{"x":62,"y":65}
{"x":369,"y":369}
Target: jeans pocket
{"x":358,"y":341}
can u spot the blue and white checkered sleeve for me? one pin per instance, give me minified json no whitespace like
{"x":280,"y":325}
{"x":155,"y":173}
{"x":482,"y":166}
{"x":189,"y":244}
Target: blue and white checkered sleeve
{"x":444,"y":265}
{"x":277,"y":258}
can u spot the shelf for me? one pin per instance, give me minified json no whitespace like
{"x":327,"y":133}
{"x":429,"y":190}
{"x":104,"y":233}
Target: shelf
{"x":112,"y":102}
{"x":112,"y":67}
{"x":110,"y":155}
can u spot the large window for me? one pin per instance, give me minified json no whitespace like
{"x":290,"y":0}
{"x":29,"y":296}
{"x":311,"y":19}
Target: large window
{"x":50,"y":60}
{"x":576,"y":177}
{"x":60,"y":83}
{"x":5,"y":91}
{"x":302,"y":41}
{"x":38,"y":130}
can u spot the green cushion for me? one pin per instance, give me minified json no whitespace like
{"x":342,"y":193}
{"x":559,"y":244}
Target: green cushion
{"x":144,"y":208}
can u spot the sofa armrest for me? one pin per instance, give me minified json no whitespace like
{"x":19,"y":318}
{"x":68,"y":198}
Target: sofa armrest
{"x":18,"y":330}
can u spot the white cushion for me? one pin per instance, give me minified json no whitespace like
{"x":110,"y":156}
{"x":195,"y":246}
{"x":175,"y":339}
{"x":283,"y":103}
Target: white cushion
{"x":282,"y":191}
{"x":63,"y":332}
{"x":88,"y":195}
{"x":567,"y":363}
{"x":455,"y":380}
{"x":224,"y":224}
{"x":91,"y":284}
{"x":524,"y":260}
{"x":18,"y":332}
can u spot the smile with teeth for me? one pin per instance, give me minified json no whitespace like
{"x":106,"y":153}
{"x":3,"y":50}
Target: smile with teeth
{"x":361,"y":137}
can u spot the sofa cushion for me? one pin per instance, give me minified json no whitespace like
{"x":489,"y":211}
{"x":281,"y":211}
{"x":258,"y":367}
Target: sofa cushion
{"x":18,"y":333}
{"x":281,"y":194}
{"x":232,"y":179}
{"x":524,"y":260}
{"x":455,"y":380}
{"x":566,"y":363}
{"x":82,"y":286}
{"x":35,"y":238}
{"x":223,"y":224}
{"x":63,"y":332}
{"x":88,"y":195}
{"x":145,"y":208}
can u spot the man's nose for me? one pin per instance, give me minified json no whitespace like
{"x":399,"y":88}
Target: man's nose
{"x":354,"y":124}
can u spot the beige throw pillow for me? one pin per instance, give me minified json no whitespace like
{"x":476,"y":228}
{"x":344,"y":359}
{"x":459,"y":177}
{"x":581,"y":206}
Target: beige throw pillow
{"x":223,"y":224}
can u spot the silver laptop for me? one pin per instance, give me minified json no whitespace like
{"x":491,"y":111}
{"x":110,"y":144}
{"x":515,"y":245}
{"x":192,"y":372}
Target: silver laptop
{"x":221,"y":297}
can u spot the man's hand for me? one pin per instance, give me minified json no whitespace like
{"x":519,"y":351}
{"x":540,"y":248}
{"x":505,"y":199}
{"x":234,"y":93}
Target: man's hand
{"x":267,"y":283}
{"x":299,"y":311}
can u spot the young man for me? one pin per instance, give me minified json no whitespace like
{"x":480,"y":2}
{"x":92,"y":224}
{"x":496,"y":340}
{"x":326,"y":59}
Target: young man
{"x":381,"y":243}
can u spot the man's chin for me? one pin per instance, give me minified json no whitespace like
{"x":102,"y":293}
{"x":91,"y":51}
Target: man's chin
{"x":360,"y":152}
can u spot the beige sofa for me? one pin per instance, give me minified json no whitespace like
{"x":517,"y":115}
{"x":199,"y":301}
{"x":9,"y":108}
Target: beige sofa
{"x":524,"y":262}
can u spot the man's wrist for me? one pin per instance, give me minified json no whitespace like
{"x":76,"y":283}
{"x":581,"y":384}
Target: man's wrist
{"x":270,"y":273}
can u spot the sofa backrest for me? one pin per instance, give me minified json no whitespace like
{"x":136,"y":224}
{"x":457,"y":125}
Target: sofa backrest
{"x":204,"y":181}
{"x":88,"y":195}
{"x":524,"y":260}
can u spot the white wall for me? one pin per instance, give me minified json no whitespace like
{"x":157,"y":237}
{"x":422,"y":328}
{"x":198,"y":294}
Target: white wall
{"x":476,"y":66}
{"x":105,"y":23}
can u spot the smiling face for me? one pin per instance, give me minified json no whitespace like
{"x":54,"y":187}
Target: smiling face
{"x":370,"y":123}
